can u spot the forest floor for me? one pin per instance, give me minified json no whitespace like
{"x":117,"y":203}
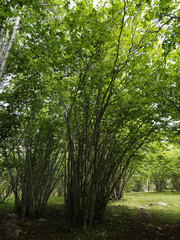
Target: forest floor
{"x":138,"y":216}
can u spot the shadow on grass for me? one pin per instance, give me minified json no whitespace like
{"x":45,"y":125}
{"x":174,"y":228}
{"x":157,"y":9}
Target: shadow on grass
{"x":128,"y":222}
{"x":123,"y":221}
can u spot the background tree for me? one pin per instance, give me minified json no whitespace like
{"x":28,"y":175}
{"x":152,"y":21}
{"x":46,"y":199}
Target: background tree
{"x":159,"y":167}
{"x":173,"y":154}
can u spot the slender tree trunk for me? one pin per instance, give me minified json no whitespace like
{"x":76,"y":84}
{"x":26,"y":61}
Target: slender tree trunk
{"x":6,"y":44}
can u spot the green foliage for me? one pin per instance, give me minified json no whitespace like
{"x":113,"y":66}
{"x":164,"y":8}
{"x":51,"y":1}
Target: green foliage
{"x":102,"y":82}
{"x":160,"y":166}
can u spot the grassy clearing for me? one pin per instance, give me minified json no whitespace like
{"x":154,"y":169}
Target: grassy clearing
{"x":8,"y":205}
{"x":137,"y":216}
{"x":148,"y":202}
{"x":54,"y":200}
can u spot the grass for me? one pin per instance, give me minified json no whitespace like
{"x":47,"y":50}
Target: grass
{"x":148,"y":201}
{"x":138,"y":216}
{"x":55,"y":201}
{"x":8,"y":205}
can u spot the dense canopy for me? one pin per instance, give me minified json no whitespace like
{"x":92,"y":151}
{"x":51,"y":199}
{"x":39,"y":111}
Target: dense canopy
{"x":85,"y":91}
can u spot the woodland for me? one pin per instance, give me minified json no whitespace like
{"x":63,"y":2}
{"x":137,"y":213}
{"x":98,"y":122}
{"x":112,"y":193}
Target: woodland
{"x":89,"y":98}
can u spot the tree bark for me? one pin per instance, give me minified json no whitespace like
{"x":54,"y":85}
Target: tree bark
{"x":6,"y":45}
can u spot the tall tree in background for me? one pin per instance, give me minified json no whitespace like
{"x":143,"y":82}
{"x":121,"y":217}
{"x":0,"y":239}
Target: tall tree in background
{"x":10,"y":15}
{"x":20,"y":20}
{"x":6,"y":44}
